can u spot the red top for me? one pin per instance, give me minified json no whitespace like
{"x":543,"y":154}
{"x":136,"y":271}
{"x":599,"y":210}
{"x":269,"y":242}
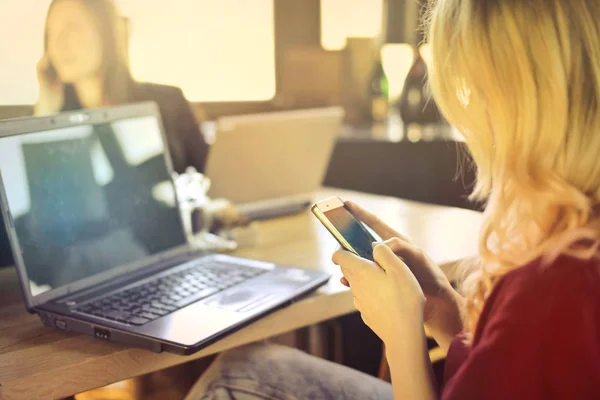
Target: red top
{"x":538,"y":337}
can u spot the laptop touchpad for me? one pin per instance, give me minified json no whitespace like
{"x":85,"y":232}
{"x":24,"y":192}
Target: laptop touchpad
{"x":243,"y":299}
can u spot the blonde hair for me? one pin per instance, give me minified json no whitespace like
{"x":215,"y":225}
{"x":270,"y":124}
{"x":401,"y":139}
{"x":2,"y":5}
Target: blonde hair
{"x":521,"y":81}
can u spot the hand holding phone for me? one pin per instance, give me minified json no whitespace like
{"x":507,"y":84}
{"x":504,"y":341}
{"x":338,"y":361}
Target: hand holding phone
{"x":350,"y":233}
{"x":51,"y":97}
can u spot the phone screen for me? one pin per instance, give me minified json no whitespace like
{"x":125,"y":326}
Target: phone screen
{"x":352,"y":230}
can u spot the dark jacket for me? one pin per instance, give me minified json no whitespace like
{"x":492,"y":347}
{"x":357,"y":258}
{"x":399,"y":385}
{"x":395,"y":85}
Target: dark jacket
{"x":186,"y":143}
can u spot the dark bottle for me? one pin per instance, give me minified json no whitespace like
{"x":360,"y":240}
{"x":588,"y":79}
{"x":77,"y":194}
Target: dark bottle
{"x":379,"y":94}
{"x":416,"y":104}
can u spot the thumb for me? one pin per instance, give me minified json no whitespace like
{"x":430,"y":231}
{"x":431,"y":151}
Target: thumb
{"x":351,"y":264}
{"x":407,"y":251}
{"x":385,"y":257}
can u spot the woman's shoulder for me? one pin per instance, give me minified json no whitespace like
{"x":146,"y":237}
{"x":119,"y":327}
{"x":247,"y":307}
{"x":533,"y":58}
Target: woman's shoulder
{"x":147,"y":91}
{"x":544,"y":294}
{"x":564,"y":275}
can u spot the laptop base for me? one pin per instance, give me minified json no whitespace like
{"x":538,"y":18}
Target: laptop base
{"x":197,"y":325}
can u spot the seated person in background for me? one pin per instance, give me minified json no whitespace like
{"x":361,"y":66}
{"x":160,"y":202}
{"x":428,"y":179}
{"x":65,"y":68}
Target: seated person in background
{"x":85,"y":66}
{"x":521,"y":81}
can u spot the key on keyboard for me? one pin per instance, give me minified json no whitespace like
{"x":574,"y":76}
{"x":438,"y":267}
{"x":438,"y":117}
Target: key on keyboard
{"x":154,"y":299}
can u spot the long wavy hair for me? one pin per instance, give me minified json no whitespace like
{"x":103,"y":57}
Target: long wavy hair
{"x":521,"y":81}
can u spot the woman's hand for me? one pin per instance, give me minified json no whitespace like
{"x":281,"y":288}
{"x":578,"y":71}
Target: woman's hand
{"x":443,"y":306}
{"x":385,"y":292}
{"x":51,"y":97}
{"x":391,"y":302}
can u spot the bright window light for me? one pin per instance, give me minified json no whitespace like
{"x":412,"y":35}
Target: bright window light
{"x":397,"y":59}
{"x":215,"y":50}
{"x":341,"y":19}
{"x":22,"y":46}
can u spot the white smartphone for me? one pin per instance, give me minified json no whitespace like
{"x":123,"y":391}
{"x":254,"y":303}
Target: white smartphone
{"x":350,"y":233}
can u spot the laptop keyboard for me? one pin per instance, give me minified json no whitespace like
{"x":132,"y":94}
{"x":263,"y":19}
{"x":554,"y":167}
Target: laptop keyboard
{"x":154,"y":299}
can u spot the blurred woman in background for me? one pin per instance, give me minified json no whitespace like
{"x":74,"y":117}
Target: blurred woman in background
{"x":85,"y":66}
{"x":521,"y":81}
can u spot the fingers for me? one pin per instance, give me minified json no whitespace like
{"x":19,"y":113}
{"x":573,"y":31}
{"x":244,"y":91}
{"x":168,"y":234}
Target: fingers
{"x":43,"y":64}
{"x":44,"y":61}
{"x":353,"y":265}
{"x":405,"y":250}
{"x":372,"y":221}
{"x":342,"y":256}
{"x":385,"y":257}
{"x":45,"y":78}
{"x":347,"y":261}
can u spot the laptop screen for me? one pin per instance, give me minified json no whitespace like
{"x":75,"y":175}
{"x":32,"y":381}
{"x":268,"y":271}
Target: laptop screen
{"x":89,"y":198}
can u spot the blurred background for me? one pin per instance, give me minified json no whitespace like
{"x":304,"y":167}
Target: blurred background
{"x":235,"y":57}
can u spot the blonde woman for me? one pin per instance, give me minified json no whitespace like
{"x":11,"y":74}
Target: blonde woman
{"x":521,"y":80}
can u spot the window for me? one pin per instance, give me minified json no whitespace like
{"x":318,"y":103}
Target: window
{"x":215,"y":50}
{"x":341,"y":19}
{"x":21,"y":46}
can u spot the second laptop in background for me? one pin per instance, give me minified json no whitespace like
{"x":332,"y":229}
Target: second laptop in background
{"x":270,"y":164}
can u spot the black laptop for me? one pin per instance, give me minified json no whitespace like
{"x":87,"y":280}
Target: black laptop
{"x":98,"y":239}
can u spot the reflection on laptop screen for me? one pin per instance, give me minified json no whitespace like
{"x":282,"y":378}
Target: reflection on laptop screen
{"x":89,"y":198}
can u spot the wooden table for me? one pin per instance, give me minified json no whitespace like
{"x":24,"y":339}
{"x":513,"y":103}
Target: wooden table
{"x":40,"y":363}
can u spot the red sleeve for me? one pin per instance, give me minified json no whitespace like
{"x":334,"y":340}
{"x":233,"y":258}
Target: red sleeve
{"x":538,"y":338}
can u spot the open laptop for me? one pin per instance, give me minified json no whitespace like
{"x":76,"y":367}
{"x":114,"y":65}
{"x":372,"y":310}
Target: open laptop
{"x":98,"y":240}
{"x":270,"y":164}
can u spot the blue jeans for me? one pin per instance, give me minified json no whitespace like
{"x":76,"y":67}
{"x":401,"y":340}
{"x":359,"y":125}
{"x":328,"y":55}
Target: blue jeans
{"x":271,"y":372}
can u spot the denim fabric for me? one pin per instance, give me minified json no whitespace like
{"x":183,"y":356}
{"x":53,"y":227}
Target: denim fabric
{"x":272,"y":372}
